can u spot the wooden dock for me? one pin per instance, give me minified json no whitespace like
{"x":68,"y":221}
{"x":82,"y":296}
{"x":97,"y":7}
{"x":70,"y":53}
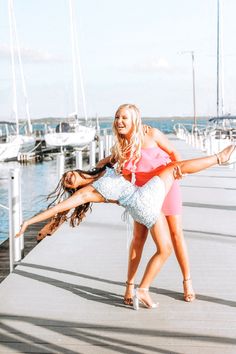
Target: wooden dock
{"x":29,"y":243}
{"x":66,"y":296}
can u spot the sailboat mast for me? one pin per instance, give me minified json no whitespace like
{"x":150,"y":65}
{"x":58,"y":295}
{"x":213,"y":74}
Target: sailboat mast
{"x":75,"y":86}
{"x":15,"y":108}
{"x":77,"y":71}
{"x":220,"y":78}
{"x":80,"y":77}
{"x":22,"y":73}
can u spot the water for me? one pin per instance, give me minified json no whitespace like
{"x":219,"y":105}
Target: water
{"x":38,"y":180}
{"x":165,"y":125}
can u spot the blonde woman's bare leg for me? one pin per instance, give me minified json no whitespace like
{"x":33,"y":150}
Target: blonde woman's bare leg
{"x":181,"y":252}
{"x":163,"y":244}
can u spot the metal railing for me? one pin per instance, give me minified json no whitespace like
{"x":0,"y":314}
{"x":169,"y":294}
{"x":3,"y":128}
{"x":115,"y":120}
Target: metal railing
{"x":209,"y":139}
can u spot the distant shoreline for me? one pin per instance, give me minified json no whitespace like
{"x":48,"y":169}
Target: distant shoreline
{"x":49,"y":120}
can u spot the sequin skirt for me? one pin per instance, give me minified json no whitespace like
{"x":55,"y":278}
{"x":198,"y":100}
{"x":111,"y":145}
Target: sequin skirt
{"x":143,"y":203}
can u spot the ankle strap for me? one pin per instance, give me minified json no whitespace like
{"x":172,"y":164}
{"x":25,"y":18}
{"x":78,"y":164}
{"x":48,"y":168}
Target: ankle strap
{"x":218,"y":159}
{"x":189,"y":279}
{"x":128,"y":283}
{"x":143,"y":289}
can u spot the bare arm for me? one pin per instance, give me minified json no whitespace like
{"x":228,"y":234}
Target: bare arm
{"x":164,"y":143}
{"x":84,"y":195}
{"x":104,"y":161}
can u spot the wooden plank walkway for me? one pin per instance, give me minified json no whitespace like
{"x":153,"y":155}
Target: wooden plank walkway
{"x":66,"y":296}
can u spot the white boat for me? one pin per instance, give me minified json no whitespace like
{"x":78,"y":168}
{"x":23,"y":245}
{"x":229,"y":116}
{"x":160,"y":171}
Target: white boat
{"x":10,"y":141}
{"x":27,"y":143}
{"x":76,"y":135}
{"x":223,"y":127}
{"x":10,"y":149}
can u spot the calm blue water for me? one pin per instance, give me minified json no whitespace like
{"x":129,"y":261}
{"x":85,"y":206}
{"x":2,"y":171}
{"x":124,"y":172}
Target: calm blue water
{"x":38,"y":180}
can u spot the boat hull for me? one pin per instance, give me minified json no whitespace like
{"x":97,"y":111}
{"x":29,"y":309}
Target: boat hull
{"x":27,"y":143}
{"x":75,"y":139}
{"x":10,"y":149}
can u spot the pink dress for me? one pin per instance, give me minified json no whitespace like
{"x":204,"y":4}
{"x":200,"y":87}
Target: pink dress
{"x":153,"y":159}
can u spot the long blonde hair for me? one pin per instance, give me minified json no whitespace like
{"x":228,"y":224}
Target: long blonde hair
{"x":125,"y":149}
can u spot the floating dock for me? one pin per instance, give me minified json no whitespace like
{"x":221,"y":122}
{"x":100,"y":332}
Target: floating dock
{"x":66,"y":296}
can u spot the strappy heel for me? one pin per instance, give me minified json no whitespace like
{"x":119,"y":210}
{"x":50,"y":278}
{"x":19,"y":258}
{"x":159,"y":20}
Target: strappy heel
{"x":189,"y":296}
{"x":231,"y":159}
{"x":128,"y":300}
{"x":137,"y":299}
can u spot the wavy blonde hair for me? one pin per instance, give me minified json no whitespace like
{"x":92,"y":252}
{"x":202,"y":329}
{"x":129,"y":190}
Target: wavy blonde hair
{"x":125,"y":149}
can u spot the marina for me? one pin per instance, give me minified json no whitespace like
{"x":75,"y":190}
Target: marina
{"x":66,"y":294}
{"x":67,"y":68}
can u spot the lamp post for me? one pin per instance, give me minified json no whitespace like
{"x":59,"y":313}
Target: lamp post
{"x":191,"y":52}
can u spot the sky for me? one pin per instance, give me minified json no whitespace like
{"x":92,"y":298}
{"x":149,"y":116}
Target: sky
{"x":131,"y":51}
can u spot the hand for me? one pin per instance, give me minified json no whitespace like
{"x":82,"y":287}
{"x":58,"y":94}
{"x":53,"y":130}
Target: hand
{"x":22,"y":229}
{"x":178,"y":173}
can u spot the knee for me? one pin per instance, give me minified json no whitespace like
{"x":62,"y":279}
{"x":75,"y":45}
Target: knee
{"x":166,"y":251}
{"x":176,"y":235}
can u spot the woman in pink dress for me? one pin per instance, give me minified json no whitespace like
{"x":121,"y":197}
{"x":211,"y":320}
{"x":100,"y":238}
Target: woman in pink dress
{"x":139,"y":153}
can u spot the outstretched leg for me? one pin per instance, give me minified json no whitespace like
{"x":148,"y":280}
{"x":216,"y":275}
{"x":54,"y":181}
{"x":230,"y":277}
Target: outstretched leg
{"x":193,"y":165}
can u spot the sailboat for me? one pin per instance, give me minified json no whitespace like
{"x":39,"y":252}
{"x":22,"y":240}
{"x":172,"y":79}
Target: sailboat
{"x":27,"y":138}
{"x":11,"y":140}
{"x":70,"y":134}
{"x":73,"y":133}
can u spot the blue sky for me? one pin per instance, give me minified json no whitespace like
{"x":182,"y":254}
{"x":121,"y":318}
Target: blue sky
{"x":130,"y":51}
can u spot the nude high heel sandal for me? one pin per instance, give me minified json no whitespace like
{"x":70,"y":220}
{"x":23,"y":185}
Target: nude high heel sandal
{"x":137,"y":299}
{"x":128,"y":300}
{"x":189,"y":294}
{"x":231,"y":159}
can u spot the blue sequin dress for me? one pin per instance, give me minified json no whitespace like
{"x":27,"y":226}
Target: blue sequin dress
{"x":143,"y":203}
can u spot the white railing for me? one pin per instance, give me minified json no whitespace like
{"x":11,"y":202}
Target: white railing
{"x":16,"y":245}
{"x":208,"y":139}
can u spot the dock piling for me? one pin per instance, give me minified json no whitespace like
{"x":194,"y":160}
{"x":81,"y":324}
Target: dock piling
{"x":16,"y":245}
{"x":60,"y":165}
{"x":92,"y":154}
{"x":101,"y":149}
{"x":79,"y":159}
